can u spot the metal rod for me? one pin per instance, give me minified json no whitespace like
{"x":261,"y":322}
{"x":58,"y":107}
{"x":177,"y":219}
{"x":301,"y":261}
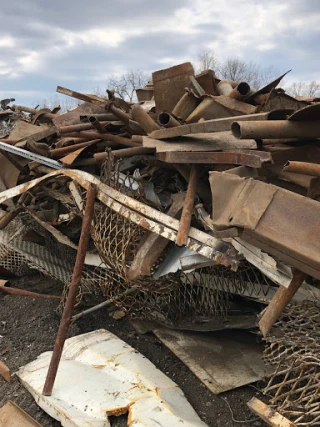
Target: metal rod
{"x":104,"y":303}
{"x":23,"y":293}
{"x":185,"y":221}
{"x":73,"y":292}
{"x":78,"y":127}
{"x":279,"y":302}
{"x":305,"y":168}
{"x":57,"y":153}
{"x":278,"y":129}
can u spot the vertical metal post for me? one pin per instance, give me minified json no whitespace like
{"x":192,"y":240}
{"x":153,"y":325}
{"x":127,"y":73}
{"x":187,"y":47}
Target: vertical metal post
{"x":279,"y":302}
{"x":73,"y":291}
{"x":185,"y":221}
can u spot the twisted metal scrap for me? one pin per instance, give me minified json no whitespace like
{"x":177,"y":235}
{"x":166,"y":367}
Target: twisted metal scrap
{"x":295,"y":351}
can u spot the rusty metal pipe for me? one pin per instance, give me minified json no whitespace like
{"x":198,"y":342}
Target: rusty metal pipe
{"x":240,"y":92}
{"x":166,"y":120}
{"x":73,"y":291}
{"x":57,"y":153}
{"x":184,"y":107}
{"x":279,"y":302}
{"x":107,"y":117}
{"x":106,"y":137}
{"x":23,"y":293}
{"x":186,"y":215}
{"x":143,"y":119}
{"x":278,"y":129}
{"x":97,"y":124}
{"x":120,"y":114}
{"x":132,"y":151}
{"x":77,"y":128}
{"x":305,"y":168}
{"x":224,"y":88}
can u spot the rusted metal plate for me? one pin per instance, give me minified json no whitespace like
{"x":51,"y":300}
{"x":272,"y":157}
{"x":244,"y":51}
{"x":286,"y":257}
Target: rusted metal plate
{"x":279,"y":101}
{"x":253,"y":159}
{"x":280,"y":222}
{"x":11,"y":415}
{"x":266,"y":88}
{"x":309,"y":113}
{"x":169,"y":86}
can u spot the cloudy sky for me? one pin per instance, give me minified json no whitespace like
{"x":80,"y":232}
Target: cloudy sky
{"x":79,"y":44}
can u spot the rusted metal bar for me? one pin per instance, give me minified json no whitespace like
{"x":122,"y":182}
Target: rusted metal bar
{"x":33,"y":111}
{"x":57,"y":153}
{"x":120,"y":114}
{"x":240,"y":91}
{"x":73,"y":291}
{"x":105,"y":303}
{"x":105,"y":136}
{"x":82,"y":97}
{"x":253,"y":159}
{"x":143,"y":119}
{"x":305,"y":168}
{"x":23,"y":293}
{"x":168,"y":121}
{"x":97,"y":124}
{"x":278,"y":129}
{"x":185,"y":221}
{"x":279,"y":302}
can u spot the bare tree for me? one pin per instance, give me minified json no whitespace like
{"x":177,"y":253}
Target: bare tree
{"x":207,"y":60}
{"x":66,"y":103}
{"x":309,"y":89}
{"x":126,"y":84}
{"x":254,"y":74}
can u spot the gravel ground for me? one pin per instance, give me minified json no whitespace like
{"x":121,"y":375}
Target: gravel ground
{"x":28,"y":327}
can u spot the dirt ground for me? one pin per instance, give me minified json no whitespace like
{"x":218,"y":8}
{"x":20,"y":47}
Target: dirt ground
{"x":28,"y":327}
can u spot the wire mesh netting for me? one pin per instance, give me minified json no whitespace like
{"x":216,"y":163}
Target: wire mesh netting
{"x":294,"y":349}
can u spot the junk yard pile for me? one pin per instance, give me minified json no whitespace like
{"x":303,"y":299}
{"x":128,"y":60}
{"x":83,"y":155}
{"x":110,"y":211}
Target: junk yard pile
{"x":195,"y":212}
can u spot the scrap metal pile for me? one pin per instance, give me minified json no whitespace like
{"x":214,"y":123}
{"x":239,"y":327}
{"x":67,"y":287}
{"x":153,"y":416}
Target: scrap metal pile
{"x":206,"y":210}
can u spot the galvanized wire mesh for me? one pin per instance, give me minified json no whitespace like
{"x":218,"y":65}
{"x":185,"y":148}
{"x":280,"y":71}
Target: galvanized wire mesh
{"x":294,"y":348}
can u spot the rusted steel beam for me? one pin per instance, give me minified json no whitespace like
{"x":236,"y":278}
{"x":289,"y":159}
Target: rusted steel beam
{"x":185,"y":221}
{"x":253,"y":159}
{"x":143,"y":119}
{"x":278,"y":129}
{"x":120,"y":140}
{"x":279,"y":302}
{"x":97,"y":124}
{"x":92,"y":99}
{"x":305,"y":168}
{"x":73,"y":291}
{"x":21,"y":292}
{"x":167,"y":120}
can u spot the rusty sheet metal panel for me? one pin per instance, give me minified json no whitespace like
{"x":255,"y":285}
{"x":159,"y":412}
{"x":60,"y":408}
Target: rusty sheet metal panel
{"x":279,"y":101}
{"x":169,"y":85}
{"x":280,"y":222}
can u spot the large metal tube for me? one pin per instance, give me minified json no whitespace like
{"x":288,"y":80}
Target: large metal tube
{"x":240,"y":92}
{"x":304,"y":168}
{"x":143,"y":119}
{"x":166,"y":120}
{"x":120,"y":114}
{"x":184,"y":107}
{"x":224,"y":88}
{"x":278,"y":129}
{"x":73,"y":292}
